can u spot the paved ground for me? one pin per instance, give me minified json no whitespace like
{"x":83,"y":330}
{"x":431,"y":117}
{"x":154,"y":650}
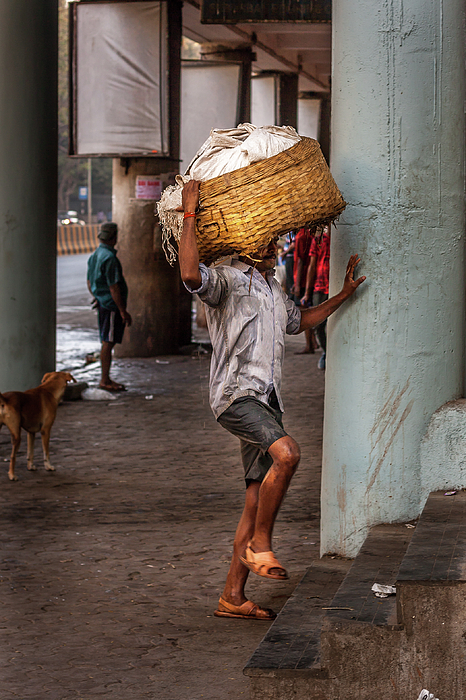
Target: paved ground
{"x":112,"y":565}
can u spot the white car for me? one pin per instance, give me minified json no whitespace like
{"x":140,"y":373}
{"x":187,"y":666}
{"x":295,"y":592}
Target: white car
{"x":72,"y":218}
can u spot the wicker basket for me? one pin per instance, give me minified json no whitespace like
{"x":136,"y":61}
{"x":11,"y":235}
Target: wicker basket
{"x":243,"y":210}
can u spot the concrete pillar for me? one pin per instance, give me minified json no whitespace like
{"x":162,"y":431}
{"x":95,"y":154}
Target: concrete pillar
{"x":28,"y":189}
{"x":396,"y":351}
{"x":158,"y":302}
{"x":287,"y":100}
{"x":230,"y":51}
{"x":324,"y":126}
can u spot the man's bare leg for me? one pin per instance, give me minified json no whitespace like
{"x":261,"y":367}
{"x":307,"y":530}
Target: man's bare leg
{"x":311,"y":343}
{"x":106,"y":361}
{"x":238,"y":573}
{"x":262,"y":503}
{"x":285,"y":454}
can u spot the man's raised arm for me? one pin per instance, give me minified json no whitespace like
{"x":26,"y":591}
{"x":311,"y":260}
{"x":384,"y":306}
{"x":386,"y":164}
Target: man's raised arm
{"x":187,"y":251}
{"x":317,"y":314}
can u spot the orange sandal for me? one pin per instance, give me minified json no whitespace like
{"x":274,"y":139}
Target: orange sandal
{"x":261,"y":563}
{"x":246,"y":611}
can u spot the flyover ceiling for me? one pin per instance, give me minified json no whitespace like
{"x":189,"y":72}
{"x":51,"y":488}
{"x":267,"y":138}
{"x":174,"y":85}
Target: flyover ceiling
{"x":296,"y":47}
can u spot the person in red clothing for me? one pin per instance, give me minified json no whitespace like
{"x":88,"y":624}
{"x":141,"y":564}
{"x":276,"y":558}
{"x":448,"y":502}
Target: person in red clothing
{"x":301,"y":261}
{"x":317,"y":283}
{"x":302,"y":247}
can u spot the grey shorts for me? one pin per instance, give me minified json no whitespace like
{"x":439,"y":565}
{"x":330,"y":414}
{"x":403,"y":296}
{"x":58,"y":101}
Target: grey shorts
{"x":258,"y":426}
{"x":111,"y":325}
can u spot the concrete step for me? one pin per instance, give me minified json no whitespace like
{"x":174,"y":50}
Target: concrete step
{"x":378,"y":561}
{"x":291,"y":661}
{"x":289,"y":655}
{"x":360,"y":638}
{"x":431,"y":597}
{"x":437,"y":552}
{"x":335,"y":642}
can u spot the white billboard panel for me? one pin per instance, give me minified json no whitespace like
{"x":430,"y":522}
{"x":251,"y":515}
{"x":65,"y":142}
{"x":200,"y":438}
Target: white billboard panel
{"x":308,"y":118}
{"x":263,"y":100}
{"x":121,"y":78}
{"x":209,"y":100}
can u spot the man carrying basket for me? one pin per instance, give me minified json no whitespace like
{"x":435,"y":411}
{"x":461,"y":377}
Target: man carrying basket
{"x":248,"y":316}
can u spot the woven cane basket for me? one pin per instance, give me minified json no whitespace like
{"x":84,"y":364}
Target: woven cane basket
{"x":243,"y":210}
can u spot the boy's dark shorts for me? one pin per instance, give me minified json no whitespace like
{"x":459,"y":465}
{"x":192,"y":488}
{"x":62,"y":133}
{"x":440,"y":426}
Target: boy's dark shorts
{"x":111,"y":325}
{"x":257,"y":425}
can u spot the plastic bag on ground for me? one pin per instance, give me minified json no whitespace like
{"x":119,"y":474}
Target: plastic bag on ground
{"x":382,"y":591}
{"x":94,"y":394}
{"x":425,"y":695}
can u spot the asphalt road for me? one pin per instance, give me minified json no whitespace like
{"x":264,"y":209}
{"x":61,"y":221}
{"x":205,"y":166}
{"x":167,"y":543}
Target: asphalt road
{"x":71,"y":280}
{"x":77,"y":333}
{"x":73,"y":298}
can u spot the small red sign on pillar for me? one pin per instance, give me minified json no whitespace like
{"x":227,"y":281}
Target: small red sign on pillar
{"x":148,"y":187}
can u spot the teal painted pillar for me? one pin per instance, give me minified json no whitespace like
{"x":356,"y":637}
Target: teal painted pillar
{"x":28,"y":187}
{"x":396,"y":351}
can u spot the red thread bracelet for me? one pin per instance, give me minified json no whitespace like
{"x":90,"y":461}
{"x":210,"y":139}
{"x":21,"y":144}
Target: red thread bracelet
{"x":188,"y":214}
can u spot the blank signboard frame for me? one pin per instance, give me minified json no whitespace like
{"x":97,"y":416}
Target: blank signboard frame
{"x":197,"y":105}
{"x":125,"y":78}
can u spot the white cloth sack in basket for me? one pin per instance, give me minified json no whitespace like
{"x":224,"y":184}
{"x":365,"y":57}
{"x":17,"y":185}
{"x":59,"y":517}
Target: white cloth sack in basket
{"x":224,"y":151}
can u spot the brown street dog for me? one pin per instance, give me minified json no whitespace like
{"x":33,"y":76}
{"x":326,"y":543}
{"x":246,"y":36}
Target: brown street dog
{"x":34,"y":410}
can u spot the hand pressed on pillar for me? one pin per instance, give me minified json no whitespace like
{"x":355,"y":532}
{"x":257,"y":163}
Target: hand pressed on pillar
{"x":317,"y":314}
